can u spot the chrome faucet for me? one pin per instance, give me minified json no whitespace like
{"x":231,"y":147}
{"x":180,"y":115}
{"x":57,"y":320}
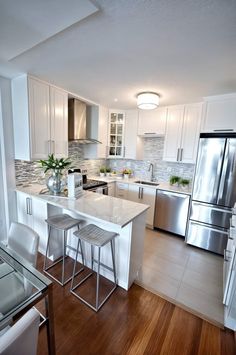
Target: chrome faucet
{"x":151,"y":166}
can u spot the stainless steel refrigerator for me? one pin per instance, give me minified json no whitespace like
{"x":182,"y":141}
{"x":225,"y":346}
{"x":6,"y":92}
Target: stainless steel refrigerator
{"x":214,"y":192}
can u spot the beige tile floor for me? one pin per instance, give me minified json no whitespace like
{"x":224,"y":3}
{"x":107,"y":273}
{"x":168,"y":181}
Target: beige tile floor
{"x":183,"y":274}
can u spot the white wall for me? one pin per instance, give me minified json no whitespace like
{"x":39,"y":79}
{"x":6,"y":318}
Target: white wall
{"x":7,"y":178}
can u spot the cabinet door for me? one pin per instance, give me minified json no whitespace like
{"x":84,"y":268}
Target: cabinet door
{"x":145,"y":195}
{"x":24,"y":209}
{"x":134,"y":193}
{"x":102,"y":132}
{"x":174,"y":126}
{"x":116,"y":134}
{"x":219,"y":114}
{"x":152,"y":122}
{"x":39,"y":119}
{"x":190,"y":133}
{"x":131,"y":127}
{"x":39,"y":214}
{"x":148,"y":197}
{"x":111,"y":189}
{"x":59,"y":122}
{"x":122,"y":190}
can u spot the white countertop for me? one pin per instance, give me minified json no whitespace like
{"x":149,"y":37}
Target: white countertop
{"x":92,"y":205}
{"x":161,"y":186}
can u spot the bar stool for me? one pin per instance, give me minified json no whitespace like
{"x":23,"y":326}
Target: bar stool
{"x":61,"y":222}
{"x":96,"y":237}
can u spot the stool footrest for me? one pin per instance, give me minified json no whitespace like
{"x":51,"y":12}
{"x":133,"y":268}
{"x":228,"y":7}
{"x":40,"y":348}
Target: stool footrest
{"x":103,"y":265}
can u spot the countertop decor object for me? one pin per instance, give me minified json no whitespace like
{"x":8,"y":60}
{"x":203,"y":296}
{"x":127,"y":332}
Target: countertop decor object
{"x":54,"y":182}
{"x":126,"y":173}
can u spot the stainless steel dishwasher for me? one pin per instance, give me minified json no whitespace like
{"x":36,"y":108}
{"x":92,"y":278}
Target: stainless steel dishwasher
{"x":171,"y":211}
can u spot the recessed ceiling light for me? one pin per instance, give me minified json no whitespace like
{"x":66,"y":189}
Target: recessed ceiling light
{"x":115,"y":99}
{"x":148,"y":100}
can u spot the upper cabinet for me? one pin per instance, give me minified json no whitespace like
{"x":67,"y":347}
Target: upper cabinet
{"x":40,"y":117}
{"x":133,"y":146}
{"x":182,"y":133}
{"x":116,"y":134}
{"x":152,"y":123}
{"x":219,"y":113}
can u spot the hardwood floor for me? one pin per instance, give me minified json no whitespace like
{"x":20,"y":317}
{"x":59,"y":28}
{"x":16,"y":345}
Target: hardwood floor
{"x":135,"y":322}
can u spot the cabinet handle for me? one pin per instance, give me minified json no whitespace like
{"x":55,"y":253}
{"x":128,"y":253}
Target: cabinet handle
{"x":53,"y":145}
{"x":141,"y":192}
{"x":107,"y":150}
{"x":225,"y":259}
{"x":177,"y":155}
{"x":224,"y":130}
{"x":30,"y":206}
{"x":181,"y":154}
{"x":124,"y":152}
{"x":49,"y":147}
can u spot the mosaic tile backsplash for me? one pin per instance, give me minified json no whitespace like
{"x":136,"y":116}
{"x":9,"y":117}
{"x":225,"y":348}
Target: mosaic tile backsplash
{"x":153,"y":153}
{"x":32,"y":172}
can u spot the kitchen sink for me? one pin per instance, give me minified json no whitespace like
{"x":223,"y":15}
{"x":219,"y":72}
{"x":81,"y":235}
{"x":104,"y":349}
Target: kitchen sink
{"x":146,"y":183}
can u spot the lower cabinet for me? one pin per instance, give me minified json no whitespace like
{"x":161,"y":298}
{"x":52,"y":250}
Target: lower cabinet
{"x":122,"y":190}
{"x":111,"y":189}
{"x":145,"y":195}
{"x":33,"y":212}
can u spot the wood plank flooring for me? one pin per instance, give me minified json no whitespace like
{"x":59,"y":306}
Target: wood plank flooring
{"x":135,"y":322}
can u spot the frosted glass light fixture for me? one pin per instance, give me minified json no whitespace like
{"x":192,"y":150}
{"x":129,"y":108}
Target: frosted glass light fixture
{"x":148,"y":100}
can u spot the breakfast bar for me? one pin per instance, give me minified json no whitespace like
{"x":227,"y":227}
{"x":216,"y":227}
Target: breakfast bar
{"x":126,"y":218}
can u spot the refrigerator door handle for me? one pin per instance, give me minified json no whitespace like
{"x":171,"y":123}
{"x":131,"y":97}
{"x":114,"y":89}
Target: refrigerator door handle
{"x":223,"y":176}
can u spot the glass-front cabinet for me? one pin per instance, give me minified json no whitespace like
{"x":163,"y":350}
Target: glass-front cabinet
{"x":116,"y":134}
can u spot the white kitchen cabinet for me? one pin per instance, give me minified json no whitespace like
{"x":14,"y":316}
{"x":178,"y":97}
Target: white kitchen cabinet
{"x":59,"y":122}
{"x":122,"y":190}
{"x":33,"y":212}
{"x":97,"y":128}
{"x":145,"y":195}
{"x":111,"y":189}
{"x":116,"y":134}
{"x":182,"y":133}
{"x":40,"y":118}
{"x":152,"y":123}
{"x":219,"y":113}
{"x":133,"y":146}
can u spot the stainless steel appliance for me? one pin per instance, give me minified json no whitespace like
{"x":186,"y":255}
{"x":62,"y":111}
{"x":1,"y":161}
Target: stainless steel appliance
{"x":90,"y":184}
{"x":171,"y":211}
{"x":214,"y":192}
{"x":80,"y":120}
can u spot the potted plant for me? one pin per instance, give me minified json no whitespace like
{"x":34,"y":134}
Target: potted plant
{"x":126,"y":173}
{"x":102,"y":171}
{"x":108,"y":171}
{"x":174,"y":179}
{"x":54,"y":182}
{"x":113,"y":173}
{"x":185,"y":183}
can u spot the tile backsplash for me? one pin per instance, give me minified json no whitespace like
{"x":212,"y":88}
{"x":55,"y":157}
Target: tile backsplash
{"x":32,"y":172}
{"x":153,"y":153}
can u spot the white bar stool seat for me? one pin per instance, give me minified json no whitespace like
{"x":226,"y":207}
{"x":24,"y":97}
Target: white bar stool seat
{"x":62,"y":222}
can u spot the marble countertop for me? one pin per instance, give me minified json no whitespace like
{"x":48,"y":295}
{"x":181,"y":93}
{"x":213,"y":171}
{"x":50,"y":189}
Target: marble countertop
{"x":99,"y":207}
{"x":161,"y":186}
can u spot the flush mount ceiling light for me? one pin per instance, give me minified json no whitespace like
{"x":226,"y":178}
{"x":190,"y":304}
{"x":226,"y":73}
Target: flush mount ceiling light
{"x":147,"y":100}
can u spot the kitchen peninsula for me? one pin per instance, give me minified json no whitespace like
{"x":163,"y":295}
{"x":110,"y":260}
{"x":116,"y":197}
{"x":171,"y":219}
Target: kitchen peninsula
{"x":126,"y":218}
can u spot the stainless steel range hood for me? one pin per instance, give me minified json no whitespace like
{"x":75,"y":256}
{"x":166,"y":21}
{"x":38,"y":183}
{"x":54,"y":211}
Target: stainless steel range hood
{"x":77,"y":123}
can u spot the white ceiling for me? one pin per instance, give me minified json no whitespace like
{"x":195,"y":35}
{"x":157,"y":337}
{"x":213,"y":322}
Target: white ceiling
{"x":182,"y":49}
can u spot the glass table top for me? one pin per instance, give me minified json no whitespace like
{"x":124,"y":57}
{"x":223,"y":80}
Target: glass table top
{"x":20,"y":284}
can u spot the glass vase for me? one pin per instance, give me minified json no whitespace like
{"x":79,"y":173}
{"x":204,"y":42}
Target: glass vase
{"x":54,"y":183}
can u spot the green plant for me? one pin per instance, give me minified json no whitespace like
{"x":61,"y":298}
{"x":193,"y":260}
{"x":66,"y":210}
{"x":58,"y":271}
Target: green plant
{"x":174,"y":179}
{"x":184,"y":182}
{"x":102,"y":170}
{"x":52,"y":163}
{"x":127,"y":171}
{"x":108,"y":170}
